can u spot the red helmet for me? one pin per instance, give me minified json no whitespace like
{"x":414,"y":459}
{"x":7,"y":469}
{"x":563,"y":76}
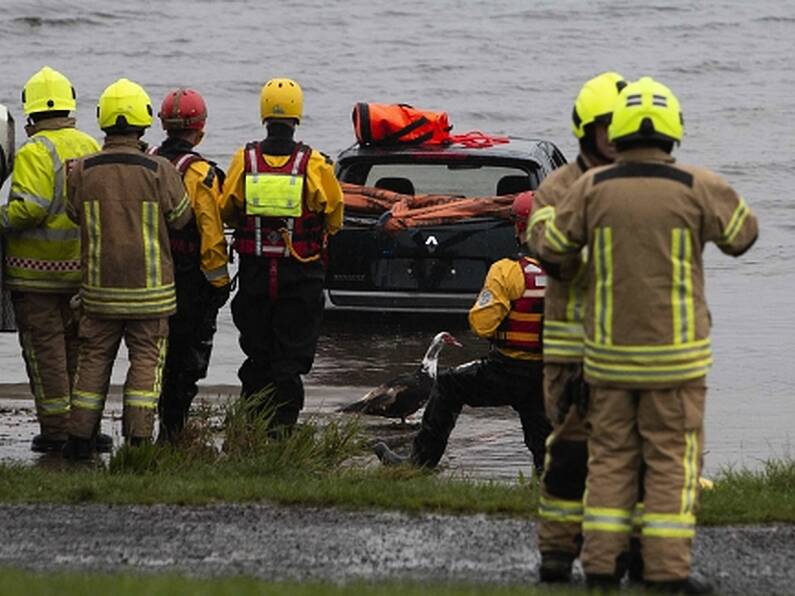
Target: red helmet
{"x":520,"y":211}
{"x":183,"y":109}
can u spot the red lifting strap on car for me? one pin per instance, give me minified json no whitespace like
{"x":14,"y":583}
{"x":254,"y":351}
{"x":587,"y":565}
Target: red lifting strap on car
{"x":475,"y":139}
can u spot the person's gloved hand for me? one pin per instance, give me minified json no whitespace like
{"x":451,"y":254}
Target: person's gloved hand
{"x":219,"y":295}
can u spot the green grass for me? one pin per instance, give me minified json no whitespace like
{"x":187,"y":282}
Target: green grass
{"x":71,"y":584}
{"x":322,"y":465}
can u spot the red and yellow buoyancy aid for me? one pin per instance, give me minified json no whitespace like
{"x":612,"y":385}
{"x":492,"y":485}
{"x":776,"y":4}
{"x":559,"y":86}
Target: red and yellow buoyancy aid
{"x":186,"y":241}
{"x":521,"y":329}
{"x":277,"y":222}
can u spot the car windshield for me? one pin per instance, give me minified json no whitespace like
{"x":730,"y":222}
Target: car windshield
{"x":446,"y":179}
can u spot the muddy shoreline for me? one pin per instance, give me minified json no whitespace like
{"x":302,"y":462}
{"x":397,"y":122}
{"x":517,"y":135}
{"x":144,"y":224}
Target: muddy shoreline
{"x":297,"y":543}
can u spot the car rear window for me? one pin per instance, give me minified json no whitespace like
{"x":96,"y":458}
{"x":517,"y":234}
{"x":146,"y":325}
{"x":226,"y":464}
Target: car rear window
{"x":483,"y":181}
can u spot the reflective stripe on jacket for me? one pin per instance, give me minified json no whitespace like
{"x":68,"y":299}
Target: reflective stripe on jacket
{"x":42,"y":244}
{"x":275,"y":208}
{"x":645,"y":221}
{"x":125,"y":201}
{"x":521,"y":329}
{"x":505,"y":284}
{"x":564,"y":301}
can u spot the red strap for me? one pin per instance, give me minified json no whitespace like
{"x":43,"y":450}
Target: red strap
{"x":475,"y":139}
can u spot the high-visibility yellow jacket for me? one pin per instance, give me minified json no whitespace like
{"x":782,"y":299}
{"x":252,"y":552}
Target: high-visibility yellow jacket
{"x":42,"y":244}
{"x":564,"y":301}
{"x":645,"y":221}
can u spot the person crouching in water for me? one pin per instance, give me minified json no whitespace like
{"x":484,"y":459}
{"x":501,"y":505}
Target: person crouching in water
{"x":124,"y":202}
{"x":283,"y":200}
{"x":200,"y":260}
{"x":509,"y":312}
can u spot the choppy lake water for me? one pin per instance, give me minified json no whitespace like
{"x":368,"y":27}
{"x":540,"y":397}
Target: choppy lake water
{"x":506,"y":66}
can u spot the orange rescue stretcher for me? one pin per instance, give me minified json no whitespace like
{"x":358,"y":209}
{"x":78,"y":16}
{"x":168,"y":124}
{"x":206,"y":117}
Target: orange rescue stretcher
{"x":399,"y":211}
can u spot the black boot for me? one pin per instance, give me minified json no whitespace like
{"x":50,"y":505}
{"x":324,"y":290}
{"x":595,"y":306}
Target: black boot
{"x":388,"y":457}
{"x":602,"y":584}
{"x":695,"y":584}
{"x":555,"y":567}
{"x":78,"y":449}
{"x":43,"y":444}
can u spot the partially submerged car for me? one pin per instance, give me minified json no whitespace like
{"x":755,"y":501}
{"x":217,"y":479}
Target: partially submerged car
{"x":436,"y":268}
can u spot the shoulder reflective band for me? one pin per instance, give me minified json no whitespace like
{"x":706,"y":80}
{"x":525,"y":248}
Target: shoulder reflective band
{"x":274,"y":195}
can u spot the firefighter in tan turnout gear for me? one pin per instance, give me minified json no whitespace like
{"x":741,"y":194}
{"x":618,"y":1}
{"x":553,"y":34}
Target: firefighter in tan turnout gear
{"x":563,"y":483}
{"x":283,"y":200}
{"x":124,"y":202}
{"x":645,"y":221}
{"x":200,"y":260}
{"x":42,"y":250}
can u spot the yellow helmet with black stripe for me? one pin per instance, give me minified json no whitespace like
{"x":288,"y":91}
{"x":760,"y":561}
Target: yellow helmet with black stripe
{"x":595,"y":101}
{"x":646,"y":110}
{"x":124,"y":104}
{"x":48,"y":91}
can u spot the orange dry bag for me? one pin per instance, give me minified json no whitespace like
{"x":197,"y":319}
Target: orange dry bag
{"x":399,"y":124}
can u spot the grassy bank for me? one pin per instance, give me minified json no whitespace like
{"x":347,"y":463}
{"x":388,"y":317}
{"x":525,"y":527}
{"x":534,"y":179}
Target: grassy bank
{"x":323,"y":465}
{"x":69,"y":584}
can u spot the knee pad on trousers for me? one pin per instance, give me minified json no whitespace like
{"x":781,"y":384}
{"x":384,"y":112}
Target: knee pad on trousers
{"x":568,"y":467}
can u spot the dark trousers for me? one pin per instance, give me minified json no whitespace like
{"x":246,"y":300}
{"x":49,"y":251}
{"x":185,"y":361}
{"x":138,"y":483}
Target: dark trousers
{"x":278,"y":310}
{"x":190,"y":343}
{"x":494,"y":380}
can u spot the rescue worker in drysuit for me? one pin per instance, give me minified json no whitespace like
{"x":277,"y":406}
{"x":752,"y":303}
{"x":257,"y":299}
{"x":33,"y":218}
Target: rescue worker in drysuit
{"x":124,"y":202}
{"x":42,"y":251}
{"x":200,"y":260}
{"x":508,"y":312}
{"x":563,"y":483}
{"x":283,"y":200}
{"x":645,"y":221}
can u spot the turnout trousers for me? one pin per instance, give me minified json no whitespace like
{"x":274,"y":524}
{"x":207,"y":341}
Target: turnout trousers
{"x":565,"y":467}
{"x":190,"y":343}
{"x":146,"y":341}
{"x":48,"y":336}
{"x":495,"y":380}
{"x":663,"y":428}
{"x":278,"y":310}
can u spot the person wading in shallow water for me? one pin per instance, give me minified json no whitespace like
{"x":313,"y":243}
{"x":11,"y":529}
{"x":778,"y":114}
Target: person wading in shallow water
{"x":645,"y":221}
{"x":199,"y":251}
{"x":509,"y":312}
{"x":283,"y":200}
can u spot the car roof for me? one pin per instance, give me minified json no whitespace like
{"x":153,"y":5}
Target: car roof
{"x":538,"y":150}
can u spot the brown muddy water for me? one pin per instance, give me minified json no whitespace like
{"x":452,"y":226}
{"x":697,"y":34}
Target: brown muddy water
{"x":504,"y":67}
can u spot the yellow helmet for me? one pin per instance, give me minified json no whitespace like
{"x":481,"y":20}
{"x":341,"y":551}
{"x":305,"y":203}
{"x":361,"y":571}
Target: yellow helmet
{"x":281,"y":98}
{"x":646,"y":109}
{"x":124,"y":104}
{"x":595,"y":101}
{"x":48,"y":91}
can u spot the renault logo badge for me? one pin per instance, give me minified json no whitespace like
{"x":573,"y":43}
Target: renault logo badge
{"x":431,"y":243}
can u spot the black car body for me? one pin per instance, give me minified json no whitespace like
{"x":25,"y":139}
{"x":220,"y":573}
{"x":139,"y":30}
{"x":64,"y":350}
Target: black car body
{"x":437,"y":268}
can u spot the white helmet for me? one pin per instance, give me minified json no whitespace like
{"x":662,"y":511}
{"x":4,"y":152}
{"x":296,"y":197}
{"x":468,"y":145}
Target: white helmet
{"x":6,"y":143}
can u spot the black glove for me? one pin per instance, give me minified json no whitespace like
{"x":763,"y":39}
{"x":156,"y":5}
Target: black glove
{"x":219,"y":296}
{"x":574,"y":394}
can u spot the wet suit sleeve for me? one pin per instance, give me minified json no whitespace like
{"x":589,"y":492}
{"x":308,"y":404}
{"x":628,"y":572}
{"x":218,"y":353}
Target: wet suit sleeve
{"x":174,"y":200}
{"x":324,"y":194}
{"x":232,"y":200}
{"x":32,"y":187}
{"x":203,"y":186}
{"x":504,"y":283}
{"x":728,"y":221}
